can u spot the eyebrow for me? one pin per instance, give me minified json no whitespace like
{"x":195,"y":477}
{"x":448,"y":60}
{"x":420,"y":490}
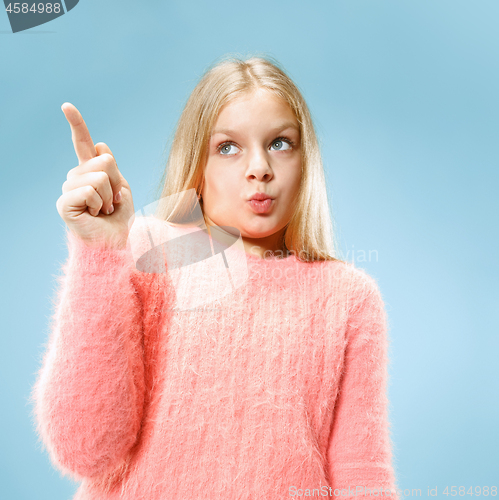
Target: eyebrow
{"x":281,"y":126}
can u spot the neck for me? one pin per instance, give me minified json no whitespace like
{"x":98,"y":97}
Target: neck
{"x":260,"y":247}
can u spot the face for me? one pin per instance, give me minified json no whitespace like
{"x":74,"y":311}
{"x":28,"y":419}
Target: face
{"x":254,"y":148}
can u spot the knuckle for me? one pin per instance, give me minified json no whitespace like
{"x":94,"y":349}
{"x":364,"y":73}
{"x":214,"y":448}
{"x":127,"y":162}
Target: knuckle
{"x":61,"y":203}
{"x":71,"y":173}
{"x":102,"y":176}
{"x":101,"y":181}
{"x":95,"y":199}
{"x":67,"y":186}
{"x":107,"y":159}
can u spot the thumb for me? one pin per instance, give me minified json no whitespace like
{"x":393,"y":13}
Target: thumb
{"x":101,"y":148}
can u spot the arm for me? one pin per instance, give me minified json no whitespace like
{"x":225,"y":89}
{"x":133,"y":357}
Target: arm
{"x":89,"y":394}
{"x":359,"y":451}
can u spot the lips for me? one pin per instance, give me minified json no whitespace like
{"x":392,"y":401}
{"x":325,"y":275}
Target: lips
{"x":261,"y":203}
{"x":260,"y":197}
{"x":261,"y":206}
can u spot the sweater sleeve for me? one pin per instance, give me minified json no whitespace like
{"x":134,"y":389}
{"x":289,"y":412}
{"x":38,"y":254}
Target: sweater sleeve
{"x":359,"y":450}
{"x":89,"y":393}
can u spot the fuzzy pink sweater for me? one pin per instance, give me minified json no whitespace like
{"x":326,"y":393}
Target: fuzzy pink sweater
{"x":275,"y":390}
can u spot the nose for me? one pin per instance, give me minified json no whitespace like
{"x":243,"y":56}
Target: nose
{"x":259,"y":166}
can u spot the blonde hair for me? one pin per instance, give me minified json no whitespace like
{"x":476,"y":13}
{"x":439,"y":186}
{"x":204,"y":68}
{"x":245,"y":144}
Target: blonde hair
{"x":309,"y":233}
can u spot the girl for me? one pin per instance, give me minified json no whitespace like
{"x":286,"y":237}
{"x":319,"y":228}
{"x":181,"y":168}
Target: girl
{"x":271,"y":389}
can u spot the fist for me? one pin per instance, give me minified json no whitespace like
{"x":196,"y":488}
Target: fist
{"x":96,"y":203}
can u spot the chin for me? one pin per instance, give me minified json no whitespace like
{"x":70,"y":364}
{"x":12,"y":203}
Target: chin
{"x":255,"y":235}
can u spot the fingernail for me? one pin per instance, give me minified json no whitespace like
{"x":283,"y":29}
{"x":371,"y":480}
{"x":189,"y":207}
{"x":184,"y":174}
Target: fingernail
{"x":111,"y":210}
{"x":118,"y":196}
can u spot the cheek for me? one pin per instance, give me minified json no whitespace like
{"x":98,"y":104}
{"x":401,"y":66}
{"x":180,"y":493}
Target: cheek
{"x":222,"y":185}
{"x":212,"y":179}
{"x":294,"y":180}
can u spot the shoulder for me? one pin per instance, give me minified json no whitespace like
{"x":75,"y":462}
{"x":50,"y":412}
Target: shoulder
{"x":362,"y":285}
{"x":354,"y":284}
{"x":366,"y":309}
{"x":354,"y":280}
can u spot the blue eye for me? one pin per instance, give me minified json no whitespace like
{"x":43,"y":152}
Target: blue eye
{"x":225,"y":148}
{"x":280,"y":142}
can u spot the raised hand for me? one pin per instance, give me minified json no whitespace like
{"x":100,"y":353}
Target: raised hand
{"x":96,"y":203}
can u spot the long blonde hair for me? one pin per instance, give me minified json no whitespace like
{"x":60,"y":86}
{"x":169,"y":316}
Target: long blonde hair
{"x":309,"y":233}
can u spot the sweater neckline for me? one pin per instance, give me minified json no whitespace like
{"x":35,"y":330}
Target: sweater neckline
{"x":270,"y":258}
{"x":253,"y":260}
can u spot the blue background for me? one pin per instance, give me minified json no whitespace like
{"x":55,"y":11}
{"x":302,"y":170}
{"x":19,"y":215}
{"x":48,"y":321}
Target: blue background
{"x":404,"y":94}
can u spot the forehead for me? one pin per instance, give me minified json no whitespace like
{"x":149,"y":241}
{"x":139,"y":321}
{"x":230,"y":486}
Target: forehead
{"x":260,"y":107}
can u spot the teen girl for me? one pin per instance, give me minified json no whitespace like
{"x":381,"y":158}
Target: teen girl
{"x":272,"y":390}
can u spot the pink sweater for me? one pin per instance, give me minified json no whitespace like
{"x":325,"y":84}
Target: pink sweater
{"x":273,"y":391}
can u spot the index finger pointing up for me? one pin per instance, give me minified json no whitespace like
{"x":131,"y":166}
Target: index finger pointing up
{"x":83,"y":144}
